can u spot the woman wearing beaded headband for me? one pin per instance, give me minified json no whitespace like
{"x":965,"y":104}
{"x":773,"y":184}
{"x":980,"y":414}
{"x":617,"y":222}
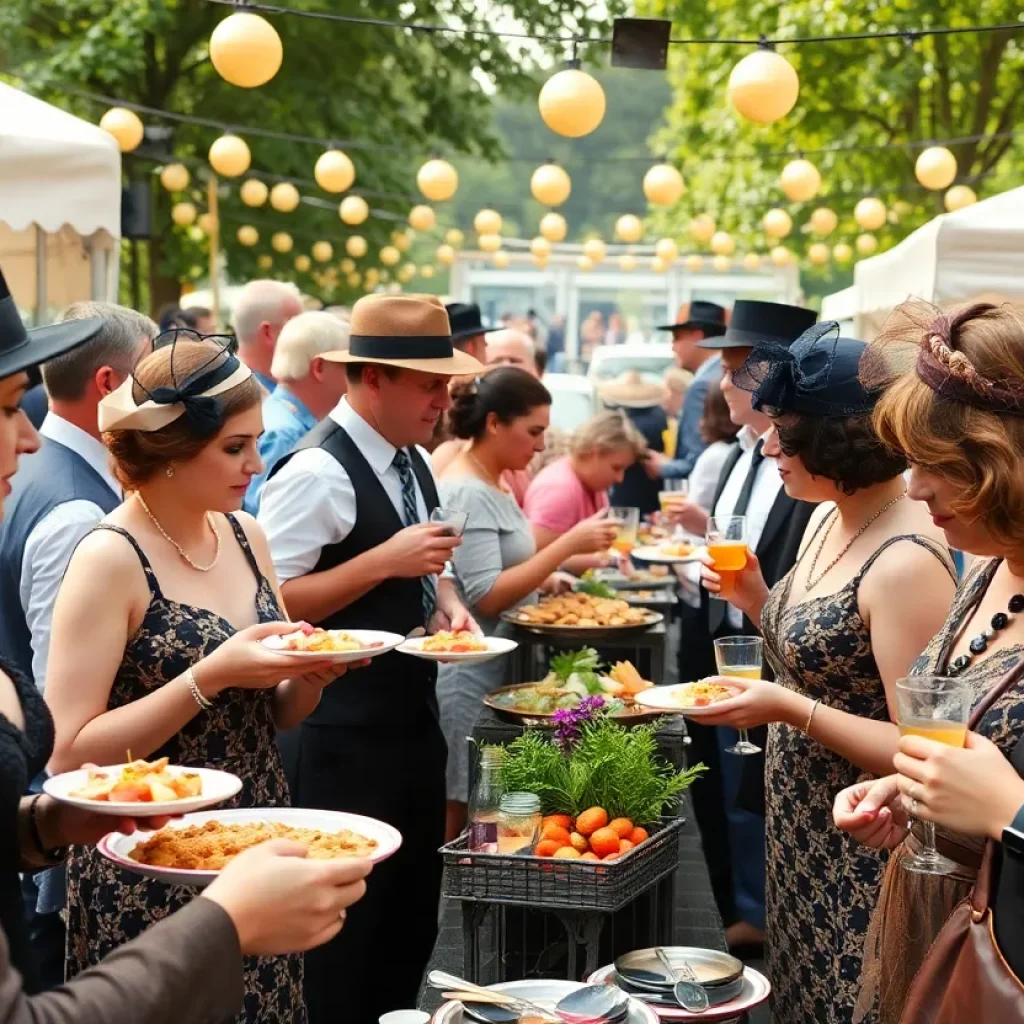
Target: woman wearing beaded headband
{"x":172,"y":666}
{"x":872,"y":584}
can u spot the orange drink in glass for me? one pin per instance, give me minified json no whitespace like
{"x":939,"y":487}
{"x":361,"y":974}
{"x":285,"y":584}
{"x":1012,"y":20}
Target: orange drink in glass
{"x":726,"y":539}
{"x":628,"y":520}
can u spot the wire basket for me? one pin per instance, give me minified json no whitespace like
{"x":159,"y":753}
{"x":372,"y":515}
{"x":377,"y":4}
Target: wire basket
{"x":548,"y":883}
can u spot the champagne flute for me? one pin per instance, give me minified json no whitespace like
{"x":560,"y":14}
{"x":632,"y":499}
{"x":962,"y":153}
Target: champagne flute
{"x":726,"y":539}
{"x":740,"y":657}
{"x":628,"y":520}
{"x":937,"y":709}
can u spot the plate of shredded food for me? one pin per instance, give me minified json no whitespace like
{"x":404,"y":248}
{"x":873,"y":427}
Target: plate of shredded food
{"x":193,"y":849}
{"x":339,"y":645}
{"x":687,"y":698}
{"x":668,"y":553}
{"x":457,"y":645}
{"x":579,"y":612}
{"x":142,"y":789}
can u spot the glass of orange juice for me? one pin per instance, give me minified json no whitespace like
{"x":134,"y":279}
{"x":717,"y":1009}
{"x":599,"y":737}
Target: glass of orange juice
{"x":628,"y":521}
{"x":726,"y":538}
{"x":740,"y":657}
{"x":672,"y":492}
{"x":938,"y":709}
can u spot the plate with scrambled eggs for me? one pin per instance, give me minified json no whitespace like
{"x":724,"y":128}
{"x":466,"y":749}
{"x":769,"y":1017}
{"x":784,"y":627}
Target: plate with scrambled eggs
{"x":337,"y":645}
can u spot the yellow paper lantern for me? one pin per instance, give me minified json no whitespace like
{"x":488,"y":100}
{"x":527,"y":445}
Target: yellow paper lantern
{"x":334,"y":171}
{"x":595,"y":250}
{"x":230,"y":156}
{"x":935,"y":168}
{"x":322,"y":251}
{"x":354,"y":280}
{"x":427,"y":272}
{"x":751,"y":261}
{"x":389,"y":256}
{"x":282,"y":242}
{"x":627,"y":262}
{"x":722,"y":243}
{"x":781,"y":256}
{"x":702,"y":228}
{"x":867,"y":245}
{"x":407,"y":273}
{"x":550,"y":185}
{"x":253,"y":192}
{"x":487,"y":222}
{"x":265,"y":262}
{"x":540,"y":246}
{"x":902,"y":208}
{"x":207,"y":223}
{"x":353,"y":210}
{"x":302,"y":264}
{"x":284,"y":197}
{"x":553,"y":227}
{"x":183,"y":214}
{"x":870,"y":214}
{"x":246,"y":50}
{"x":540,"y":261}
{"x":763,"y":87}
{"x":489,"y":242}
{"x":658,"y":265}
{"x":777,"y":223}
{"x":721,"y":264}
{"x":666,"y":249}
{"x":572,"y":103}
{"x":247,"y":235}
{"x":800,"y":180}
{"x":175,"y":177}
{"x":628,"y":228}
{"x":372,"y":275}
{"x":445,"y":254}
{"x":824,"y":221}
{"x":356,"y":246}
{"x":663,"y":185}
{"x":422,"y":218}
{"x":125,"y":126}
{"x":347,"y":265}
{"x":818,"y":254}
{"x":454,"y":237}
{"x":842,"y":253}
{"x":437,"y":180}
{"x":585,"y":263}
{"x":501,"y":260}
{"x":402,"y":240}
{"x":958,"y":197}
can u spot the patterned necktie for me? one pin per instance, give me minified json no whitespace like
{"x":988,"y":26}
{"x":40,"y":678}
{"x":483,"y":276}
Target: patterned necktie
{"x":411,"y":517}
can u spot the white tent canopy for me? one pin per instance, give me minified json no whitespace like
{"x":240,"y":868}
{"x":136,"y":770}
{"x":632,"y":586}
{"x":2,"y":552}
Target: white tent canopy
{"x":60,"y":204}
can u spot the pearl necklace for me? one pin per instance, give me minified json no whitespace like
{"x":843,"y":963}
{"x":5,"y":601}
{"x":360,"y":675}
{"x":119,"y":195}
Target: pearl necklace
{"x":181,"y":550}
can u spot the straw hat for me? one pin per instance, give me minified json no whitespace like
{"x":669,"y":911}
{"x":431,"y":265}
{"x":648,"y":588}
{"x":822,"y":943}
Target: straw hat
{"x":409,"y":331}
{"x":631,"y":391}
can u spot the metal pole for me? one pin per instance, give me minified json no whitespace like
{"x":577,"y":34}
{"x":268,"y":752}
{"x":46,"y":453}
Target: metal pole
{"x":42,"y":286}
{"x":211,"y":202}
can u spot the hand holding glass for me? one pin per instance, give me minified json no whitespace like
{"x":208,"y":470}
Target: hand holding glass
{"x":453,"y":521}
{"x":628,"y":520}
{"x":740,"y":657}
{"x":726,"y":539}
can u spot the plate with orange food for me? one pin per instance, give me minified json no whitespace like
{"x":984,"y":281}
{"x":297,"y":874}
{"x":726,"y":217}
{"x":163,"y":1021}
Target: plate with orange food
{"x":457,"y":645}
{"x":668,"y":552}
{"x":336,"y":645}
{"x":142,"y":789}
{"x":694,"y":699}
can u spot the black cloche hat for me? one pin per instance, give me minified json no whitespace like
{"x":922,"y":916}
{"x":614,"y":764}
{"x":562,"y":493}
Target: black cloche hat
{"x":466,"y":320}
{"x":21,"y":349}
{"x":753,"y":321}
{"x":699,"y":314}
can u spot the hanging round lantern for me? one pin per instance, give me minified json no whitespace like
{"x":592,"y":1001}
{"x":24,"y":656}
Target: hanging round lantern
{"x":666,"y":249}
{"x":247,"y":235}
{"x":595,"y":250}
{"x":763,"y":87}
{"x":781,"y":256}
{"x":958,"y":197}
{"x":183,"y":214}
{"x":347,"y":265}
{"x":550,"y":185}
{"x":842,"y":253}
{"x":818,"y":254}
{"x":454,"y":237}
{"x":282,"y":242}
{"x":553,"y":227}
{"x":702,"y":228}
{"x":658,"y":265}
{"x":585,"y":263}
{"x":354,"y":279}
{"x":265,"y":262}
{"x":230,"y":156}
{"x":356,"y":246}
{"x":322,"y":251}
{"x":694,"y":263}
{"x":253,"y":192}
{"x":501,"y":260}
{"x":489,"y":242}
{"x":540,"y":261}
{"x":777,"y":223}
{"x":487,"y":222}
{"x":407,"y":273}
{"x":721,"y":264}
{"x":372,"y":276}
{"x":125,"y":126}
{"x":572,"y":103}
{"x":390,"y":256}
{"x":302,"y":264}
{"x":402,"y":240}
{"x":751,"y":261}
{"x":867,"y":245}
{"x":824,"y":221}
{"x":437,"y":180}
{"x":422,"y":218}
{"x":663,"y":185}
{"x":540,"y":246}
{"x":334,"y":171}
{"x":870,"y":214}
{"x":246,"y":50}
{"x":935,"y":168}
{"x":628,"y":228}
{"x":284,"y":197}
{"x":902,"y":208}
{"x":353,"y":210}
{"x":800,"y":180}
{"x":445,"y":254}
{"x":627,"y":262}
{"x":426,"y":272}
{"x":722,"y":243}
{"x":207,"y":223}
{"x":175,"y":177}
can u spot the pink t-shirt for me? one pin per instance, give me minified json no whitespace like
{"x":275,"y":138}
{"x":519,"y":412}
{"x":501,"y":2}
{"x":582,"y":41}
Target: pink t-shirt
{"x":557,"y":500}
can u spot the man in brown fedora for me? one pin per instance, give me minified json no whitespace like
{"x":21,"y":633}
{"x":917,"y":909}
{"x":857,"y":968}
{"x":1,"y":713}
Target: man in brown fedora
{"x":346,"y":515}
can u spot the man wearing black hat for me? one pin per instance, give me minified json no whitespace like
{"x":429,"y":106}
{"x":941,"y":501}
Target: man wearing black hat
{"x":468,"y":331}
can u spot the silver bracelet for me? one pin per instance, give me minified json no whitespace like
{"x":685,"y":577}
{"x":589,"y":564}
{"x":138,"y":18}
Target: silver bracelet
{"x":193,"y":686}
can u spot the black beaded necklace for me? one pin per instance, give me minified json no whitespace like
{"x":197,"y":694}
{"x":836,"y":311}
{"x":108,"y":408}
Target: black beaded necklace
{"x":980,"y":643}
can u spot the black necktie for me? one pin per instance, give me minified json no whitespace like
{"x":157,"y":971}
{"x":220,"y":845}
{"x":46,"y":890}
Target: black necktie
{"x":743,"y":501}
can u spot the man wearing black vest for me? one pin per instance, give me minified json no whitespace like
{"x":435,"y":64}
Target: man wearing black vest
{"x":346,"y":518}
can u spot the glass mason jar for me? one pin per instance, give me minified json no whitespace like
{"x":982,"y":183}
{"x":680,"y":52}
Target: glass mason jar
{"x":519,"y":822}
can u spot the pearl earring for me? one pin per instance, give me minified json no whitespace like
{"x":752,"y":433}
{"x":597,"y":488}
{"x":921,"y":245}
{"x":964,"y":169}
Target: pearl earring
{"x":170,"y":470}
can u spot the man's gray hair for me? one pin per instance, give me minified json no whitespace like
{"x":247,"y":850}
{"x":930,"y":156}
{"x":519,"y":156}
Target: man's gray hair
{"x":117,"y":344}
{"x":261,"y":301}
{"x":305,"y":337}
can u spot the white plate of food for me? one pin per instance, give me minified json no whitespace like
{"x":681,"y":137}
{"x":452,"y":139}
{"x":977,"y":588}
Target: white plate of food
{"x":193,"y":849}
{"x":460,"y":645}
{"x":338,"y":645}
{"x":142,"y":789}
{"x":699,"y":698}
{"x":668,"y":553}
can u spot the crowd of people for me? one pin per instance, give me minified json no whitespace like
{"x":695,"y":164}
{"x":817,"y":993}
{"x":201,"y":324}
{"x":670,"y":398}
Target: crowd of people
{"x":205,"y":491}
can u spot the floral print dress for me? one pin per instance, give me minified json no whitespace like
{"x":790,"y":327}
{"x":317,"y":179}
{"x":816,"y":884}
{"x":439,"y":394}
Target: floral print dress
{"x":108,"y":906}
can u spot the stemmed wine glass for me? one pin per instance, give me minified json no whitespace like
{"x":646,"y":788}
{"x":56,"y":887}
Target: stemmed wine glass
{"x":740,"y":657}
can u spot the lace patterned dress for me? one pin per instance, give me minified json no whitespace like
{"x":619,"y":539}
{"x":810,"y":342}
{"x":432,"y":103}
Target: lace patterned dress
{"x":108,"y":906}
{"x":821,"y":885}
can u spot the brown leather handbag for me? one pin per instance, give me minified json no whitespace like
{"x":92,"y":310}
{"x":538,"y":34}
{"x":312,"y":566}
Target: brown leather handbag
{"x":965,"y":977}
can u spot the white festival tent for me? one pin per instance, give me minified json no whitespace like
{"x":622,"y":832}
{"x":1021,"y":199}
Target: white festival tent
{"x":60,"y":206}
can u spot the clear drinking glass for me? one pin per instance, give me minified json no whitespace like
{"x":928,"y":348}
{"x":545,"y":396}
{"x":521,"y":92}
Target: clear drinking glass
{"x":453,"y":520}
{"x":726,"y":539}
{"x":937,"y":709}
{"x":741,"y":658}
{"x":628,"y":520}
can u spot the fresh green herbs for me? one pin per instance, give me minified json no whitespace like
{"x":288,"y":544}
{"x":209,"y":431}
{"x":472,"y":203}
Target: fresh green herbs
{"x":596,"y":588}
{"x":578,"y":671}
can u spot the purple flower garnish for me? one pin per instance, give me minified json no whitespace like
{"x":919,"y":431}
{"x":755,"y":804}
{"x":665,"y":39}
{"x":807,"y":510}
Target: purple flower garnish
{"x":569,"y":720}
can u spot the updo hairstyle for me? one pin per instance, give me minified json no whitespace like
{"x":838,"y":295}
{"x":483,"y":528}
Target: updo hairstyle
{"x":506,"y":391}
